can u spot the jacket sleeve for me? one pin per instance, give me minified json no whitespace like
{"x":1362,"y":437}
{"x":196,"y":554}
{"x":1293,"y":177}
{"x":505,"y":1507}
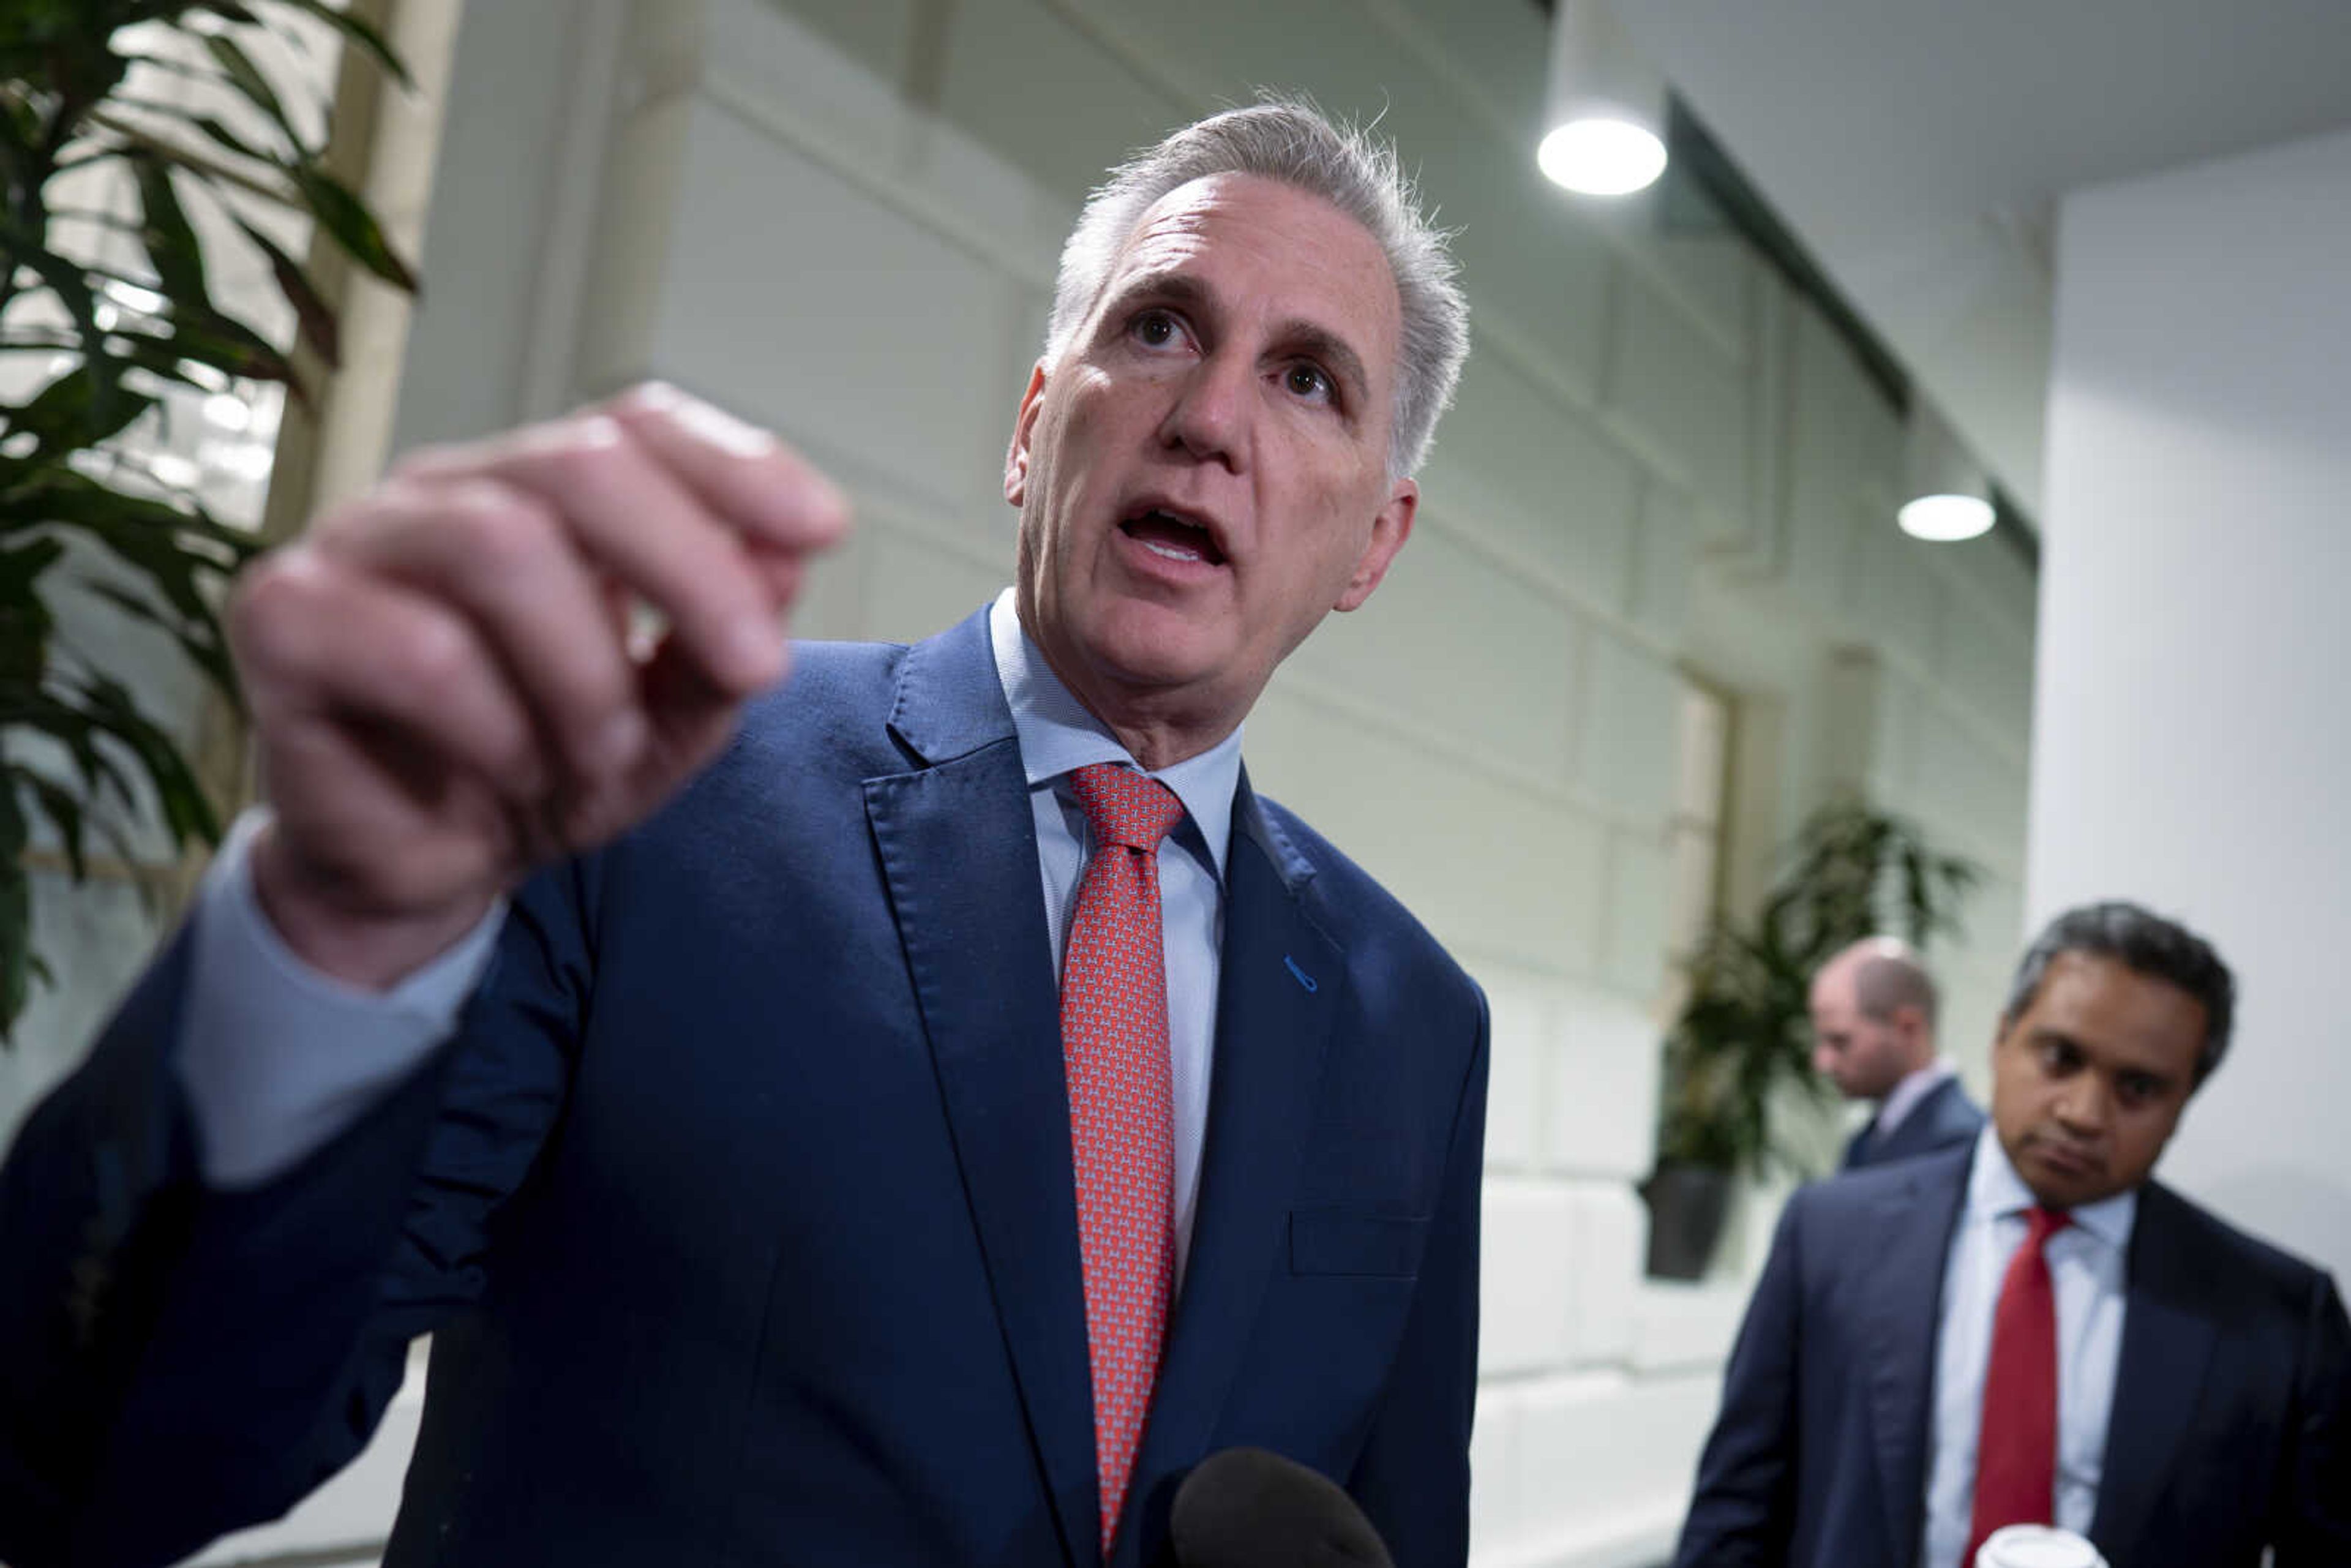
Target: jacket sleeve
{"x":1744,"y":1507}
{"x":1412,"y":1479}
{"x":2314,"y":1516}
{"x":178,"y":1361}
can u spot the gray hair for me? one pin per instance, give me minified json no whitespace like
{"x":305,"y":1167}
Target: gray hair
{"x":1291,"y":141}
{"x":2146,"y":944}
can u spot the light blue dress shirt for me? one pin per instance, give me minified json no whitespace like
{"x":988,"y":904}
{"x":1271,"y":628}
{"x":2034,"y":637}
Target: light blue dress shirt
{"x":2086,"y":1270}
{"x":1058,"y":737}
{"x":277,"y":1059}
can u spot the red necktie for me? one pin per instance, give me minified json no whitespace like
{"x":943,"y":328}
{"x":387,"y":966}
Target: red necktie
{"x":2016,"y":1447}
{"x":1114,"y":1045}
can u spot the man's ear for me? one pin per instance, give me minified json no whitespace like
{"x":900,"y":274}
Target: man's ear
{"x":1015,"y":457}
{"x":1390,"y":527}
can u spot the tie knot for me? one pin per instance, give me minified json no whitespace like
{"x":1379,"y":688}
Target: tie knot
{"x":1122,"y":807}
{"x":2040,"y":1223}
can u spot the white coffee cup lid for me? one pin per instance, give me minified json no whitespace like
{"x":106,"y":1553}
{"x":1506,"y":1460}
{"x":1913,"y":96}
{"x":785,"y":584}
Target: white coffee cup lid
{"x":2037,"y":1546}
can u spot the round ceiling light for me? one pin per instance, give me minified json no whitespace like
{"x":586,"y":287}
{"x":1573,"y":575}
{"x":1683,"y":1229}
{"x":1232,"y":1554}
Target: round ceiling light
{"x":1598,"y":157}
{"x":1946,"y":520}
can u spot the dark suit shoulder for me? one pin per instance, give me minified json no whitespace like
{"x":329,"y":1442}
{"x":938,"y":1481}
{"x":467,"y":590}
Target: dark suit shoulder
{"x":1952,"y":1109}
{"x":1351,"y":906}
{"x":1948,"y":1116}
{"x":2229,"y":1259}
{"x":1826,"y":1215}
{"x":838,"y":697}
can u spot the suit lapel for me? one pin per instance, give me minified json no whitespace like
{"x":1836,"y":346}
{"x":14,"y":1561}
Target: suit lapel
{"x":1913,"y":1222}
{"x":1279,"y":989}
{"x":2168,"y":1341}
{"x":958,"y":851}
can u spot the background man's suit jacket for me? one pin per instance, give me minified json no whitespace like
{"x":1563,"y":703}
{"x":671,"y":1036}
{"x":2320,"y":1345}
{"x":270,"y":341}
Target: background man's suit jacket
{"x":2230,"y":1409}
{"x":743,"y":1207}
{"x":1942,"y":1119}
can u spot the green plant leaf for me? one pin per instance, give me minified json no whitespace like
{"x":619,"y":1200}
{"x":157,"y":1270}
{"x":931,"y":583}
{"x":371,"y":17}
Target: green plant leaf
{"x":55,"y":495}
{"x":342,"y":215}
{"x":314,"y":317}
{"x":70,"y":283}
{"x":246,"y":78}
{"x":15,"y":932}
{"x":68,"y":413}
{"x":25,"y":624}
{"x":222,"y":135}
{"x":64,"y":811}
{"x":44,"y":713}
{"x":360,"y":33}
{"x":200,"y":639}
{"x":187,"y":812}
{"x":170,"y":352}
{"x":171,"y":240}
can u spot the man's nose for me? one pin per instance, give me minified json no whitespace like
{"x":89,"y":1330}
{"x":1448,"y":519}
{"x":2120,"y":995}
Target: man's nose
{"x":1210,"y":416}
{"x":2083,"y":1106}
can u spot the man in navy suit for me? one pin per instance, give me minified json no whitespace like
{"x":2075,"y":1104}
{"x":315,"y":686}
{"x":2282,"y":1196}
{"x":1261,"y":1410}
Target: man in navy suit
{"x":1874,"y":1009}
{"x":685,"y":1052}
{"x":2028,"y":1329}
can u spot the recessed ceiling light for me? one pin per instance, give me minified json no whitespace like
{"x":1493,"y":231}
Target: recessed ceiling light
{"x":1602,"y":157}
{"x":1605,"y":107}
{"x":1946,"y":520}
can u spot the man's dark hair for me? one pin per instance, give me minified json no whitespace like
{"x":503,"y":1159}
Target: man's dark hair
{"x":2146,"y":944}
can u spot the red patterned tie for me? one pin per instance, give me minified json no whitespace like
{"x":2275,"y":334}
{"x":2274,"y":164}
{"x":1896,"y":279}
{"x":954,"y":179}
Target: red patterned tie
{"x":1114,"y":1043}
{"x":2016,"y":1447}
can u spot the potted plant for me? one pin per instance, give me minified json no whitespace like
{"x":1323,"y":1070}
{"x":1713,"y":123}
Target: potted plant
{"x":107,"y":318}
{"x":1744,"y":1034}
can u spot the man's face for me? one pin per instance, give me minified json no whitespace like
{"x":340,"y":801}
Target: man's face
{"x":2089,"y":1081}
{"x":1862,"y":1056}
{"x":1204,"y":475}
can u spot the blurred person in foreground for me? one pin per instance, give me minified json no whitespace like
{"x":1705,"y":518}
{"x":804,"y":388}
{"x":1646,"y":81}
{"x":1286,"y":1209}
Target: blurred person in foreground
{"x":1874,"y":1009}
{"x":909,"y":1116}
{"x":2028,"y":1329}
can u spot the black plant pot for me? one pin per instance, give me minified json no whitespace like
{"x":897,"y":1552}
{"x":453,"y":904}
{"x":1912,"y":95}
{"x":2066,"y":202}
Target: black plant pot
{"x":1687,"y":1206}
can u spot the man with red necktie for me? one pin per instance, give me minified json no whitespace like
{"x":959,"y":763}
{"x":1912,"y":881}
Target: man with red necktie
{"x":909,"y":1116}
{"x":2028,"y":1329}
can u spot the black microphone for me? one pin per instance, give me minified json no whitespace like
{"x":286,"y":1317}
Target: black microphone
{"x":1246,"y":1507}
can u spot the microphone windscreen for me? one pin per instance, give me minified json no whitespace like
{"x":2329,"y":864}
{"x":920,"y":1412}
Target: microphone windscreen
{"x":1246,"y":1507}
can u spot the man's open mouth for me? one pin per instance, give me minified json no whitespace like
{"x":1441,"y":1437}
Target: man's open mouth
{"x":1164,"y":533}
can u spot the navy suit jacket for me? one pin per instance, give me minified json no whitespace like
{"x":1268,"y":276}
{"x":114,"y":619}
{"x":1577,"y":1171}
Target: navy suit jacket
{"x":742,"y":1205}
{"x":1945,"y":1117}
{"x":2232,"y":1395}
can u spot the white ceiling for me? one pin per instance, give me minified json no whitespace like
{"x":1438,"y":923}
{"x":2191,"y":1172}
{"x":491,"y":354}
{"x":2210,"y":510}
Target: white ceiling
{"x":1918,"y":148}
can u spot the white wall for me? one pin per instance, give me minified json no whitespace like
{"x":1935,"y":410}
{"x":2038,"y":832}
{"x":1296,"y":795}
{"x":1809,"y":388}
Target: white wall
{"x":2193,"y":743}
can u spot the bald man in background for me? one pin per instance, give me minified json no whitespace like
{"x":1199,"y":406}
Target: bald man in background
{"x":1874,"y":1007}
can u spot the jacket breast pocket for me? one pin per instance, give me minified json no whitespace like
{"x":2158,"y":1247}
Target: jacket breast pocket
{"x":1356,"y":1241}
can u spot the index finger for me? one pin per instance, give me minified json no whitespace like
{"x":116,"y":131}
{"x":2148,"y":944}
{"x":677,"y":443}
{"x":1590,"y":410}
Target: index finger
{"x":737,"y":469}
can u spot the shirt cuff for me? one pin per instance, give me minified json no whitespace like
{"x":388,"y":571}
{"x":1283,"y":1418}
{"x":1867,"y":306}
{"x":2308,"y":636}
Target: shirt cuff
{"x":277,"y":1058}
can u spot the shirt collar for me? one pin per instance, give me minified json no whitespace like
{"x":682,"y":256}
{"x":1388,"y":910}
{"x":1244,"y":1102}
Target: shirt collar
{"x":1058,"y":735}
{"x":1995,"y":1190}
{"x":1903,"y":1097}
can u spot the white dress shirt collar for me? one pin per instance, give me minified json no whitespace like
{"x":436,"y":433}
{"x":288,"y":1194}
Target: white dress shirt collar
{"x":1995,"y":1191}
{"x":1058,"y":735}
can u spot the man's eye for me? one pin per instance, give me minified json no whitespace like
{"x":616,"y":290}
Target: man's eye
{"x":1309,"y":382}
{"x":1155,"y":329}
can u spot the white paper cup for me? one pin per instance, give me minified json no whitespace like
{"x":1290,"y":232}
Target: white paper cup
{"x":2037,"y":1546}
